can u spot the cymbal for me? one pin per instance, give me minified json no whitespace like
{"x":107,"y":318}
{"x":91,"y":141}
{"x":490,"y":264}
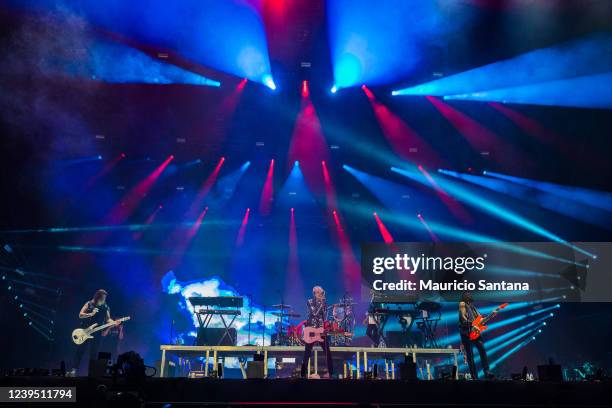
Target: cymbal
{"x":282,"y":306}
{"x":344,"y":304}
{"x":285,"y":314}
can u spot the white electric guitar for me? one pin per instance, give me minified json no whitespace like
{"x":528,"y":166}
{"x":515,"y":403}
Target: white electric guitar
{"x":80,"y":336}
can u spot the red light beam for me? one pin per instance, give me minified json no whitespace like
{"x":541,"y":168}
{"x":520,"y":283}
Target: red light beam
{"x":404,"y":140}
{"x":386,"y":235}
{"x":433,"y":236}
{"x":205,"y":189}
{"x":242,"y":230}
{"x":267,"y":194}
{"x":130,"y":201}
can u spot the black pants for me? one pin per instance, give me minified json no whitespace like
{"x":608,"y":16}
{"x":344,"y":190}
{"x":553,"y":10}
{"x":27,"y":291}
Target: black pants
{"x":328,"y":357}
{"x":372,"y":333}
{"x":469,"y":354}
{"x":94,"y":347}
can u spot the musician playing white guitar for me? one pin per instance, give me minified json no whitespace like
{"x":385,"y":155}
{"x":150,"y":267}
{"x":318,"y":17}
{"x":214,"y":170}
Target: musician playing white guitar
{"x":93,"y":311}
{"x":317,"y":313}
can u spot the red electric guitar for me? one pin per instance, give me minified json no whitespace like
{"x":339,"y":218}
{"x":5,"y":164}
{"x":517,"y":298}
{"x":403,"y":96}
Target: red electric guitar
{"x":479,"y":324}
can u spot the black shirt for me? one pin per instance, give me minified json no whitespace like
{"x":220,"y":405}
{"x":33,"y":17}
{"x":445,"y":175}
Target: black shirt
{"x":465,"y":323}
{"x":99,"y":317}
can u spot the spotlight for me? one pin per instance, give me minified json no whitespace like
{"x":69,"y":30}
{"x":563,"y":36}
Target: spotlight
{"x":394,"y":93}
{"x":122,"y":155}
{"x":99,"y":157}
{"x":305,"y":89}
{"x":334,"y":89}
{"x":269,"y":82}
{"x":171,"y":157}
{"x":291,"y":209}
{"x":296,"y":163}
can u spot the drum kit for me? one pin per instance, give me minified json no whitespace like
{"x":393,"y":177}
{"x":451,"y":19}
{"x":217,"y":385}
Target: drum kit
{"x":340,"y":324}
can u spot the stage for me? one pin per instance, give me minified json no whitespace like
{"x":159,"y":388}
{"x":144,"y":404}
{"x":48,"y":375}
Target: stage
{"x":157,"y":392}
{"x":299,"y":202}
{"x":361,"y":355}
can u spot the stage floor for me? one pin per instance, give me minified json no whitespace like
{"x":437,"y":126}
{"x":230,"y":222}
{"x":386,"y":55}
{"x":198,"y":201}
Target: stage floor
{"x":158,"y":392}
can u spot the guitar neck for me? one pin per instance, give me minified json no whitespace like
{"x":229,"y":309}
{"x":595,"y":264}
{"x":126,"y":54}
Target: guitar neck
{"x":486,"y":319}
{"x":104,"y":326}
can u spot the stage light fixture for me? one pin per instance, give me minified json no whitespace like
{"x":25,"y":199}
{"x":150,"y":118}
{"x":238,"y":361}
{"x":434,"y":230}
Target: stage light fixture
{"x":305,"y":89}
{"x":269,"y":82}
{"x":334,"y":89}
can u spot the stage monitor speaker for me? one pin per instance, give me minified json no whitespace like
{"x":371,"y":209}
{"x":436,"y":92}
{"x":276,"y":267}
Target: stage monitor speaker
{"x":550,"y":372}
{"x":97,"y":368}
{"x":408,"y":370}
{"x":255,"y":369}
{"x":210,"y":336}
{"x":104,"y":355}
{"x":445,"y":371}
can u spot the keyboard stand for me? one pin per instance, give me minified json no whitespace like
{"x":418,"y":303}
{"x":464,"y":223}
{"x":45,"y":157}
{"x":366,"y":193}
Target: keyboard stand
{"x":206,"y":315}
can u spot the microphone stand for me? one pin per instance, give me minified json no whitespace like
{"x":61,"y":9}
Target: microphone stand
{"x":250,"y":314}
{"x":263,"y":335}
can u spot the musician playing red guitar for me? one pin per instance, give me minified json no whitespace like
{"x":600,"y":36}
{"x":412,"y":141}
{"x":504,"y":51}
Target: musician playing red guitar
{"x":317,"y":313}
{"x":467,"y":314}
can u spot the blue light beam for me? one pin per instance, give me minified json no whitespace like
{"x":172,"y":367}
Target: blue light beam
{"x":582,"y":57}
{"x":478,"y":201}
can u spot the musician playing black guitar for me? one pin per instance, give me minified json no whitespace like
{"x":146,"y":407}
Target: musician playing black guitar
{"x":467,"y":314}
{"x":317,"y":313}
{"x":93,"y":311}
